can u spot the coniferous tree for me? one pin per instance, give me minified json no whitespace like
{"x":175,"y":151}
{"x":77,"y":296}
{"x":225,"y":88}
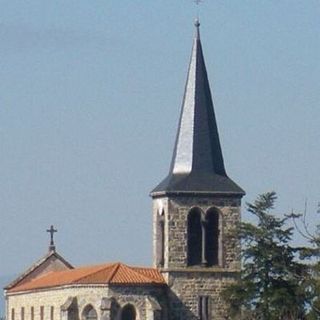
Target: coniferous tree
{"x":313,"y":252}
{"x":273,"y":283}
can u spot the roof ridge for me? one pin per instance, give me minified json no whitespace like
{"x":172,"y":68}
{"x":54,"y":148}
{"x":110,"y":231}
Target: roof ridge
{"x":145,"y":268}
{"x":35,"y":266}
{"x":113,"y":272}
{"x":149,"y":269}
{"x":103,"y":267}
{"x":63,"y":260}
{"x":145,"y":277}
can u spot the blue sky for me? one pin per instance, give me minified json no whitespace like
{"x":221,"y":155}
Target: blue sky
{"x":90,"y":93}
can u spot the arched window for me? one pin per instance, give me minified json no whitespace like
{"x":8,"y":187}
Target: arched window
{"x":194,"y":237}
{"x":128,"y":312}
{"x":212,"y":238}
{"x":160,"y":241}
{"x":89,"y":313}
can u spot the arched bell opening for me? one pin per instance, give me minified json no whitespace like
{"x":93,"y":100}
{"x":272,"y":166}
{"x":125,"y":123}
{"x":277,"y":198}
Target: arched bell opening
{"x":212,"y":237}
{"x":160,"y":239}
{"x":194,"y":245}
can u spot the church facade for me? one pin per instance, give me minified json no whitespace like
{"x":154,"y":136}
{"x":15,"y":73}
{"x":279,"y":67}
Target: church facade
{"x":195,"y":209}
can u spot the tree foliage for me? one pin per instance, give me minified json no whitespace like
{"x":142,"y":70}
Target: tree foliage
{"x":312,"y":252}
{"x":274,"y":283}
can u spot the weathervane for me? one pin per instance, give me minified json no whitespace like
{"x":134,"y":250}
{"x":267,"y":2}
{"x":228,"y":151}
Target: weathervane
{"x":52,"y":231}
{"x":198,"y":2}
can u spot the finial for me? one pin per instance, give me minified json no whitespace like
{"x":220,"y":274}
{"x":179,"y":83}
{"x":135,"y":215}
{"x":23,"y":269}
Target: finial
{"x":197,"y":2}
{"x":52,"y":230}
{"x":197,"y":23}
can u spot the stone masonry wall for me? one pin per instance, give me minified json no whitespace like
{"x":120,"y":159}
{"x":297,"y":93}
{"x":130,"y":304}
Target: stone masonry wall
{"x":186,"y":283}
{"x":160,"y":211}
{"x":53,"y":298}
{"x":187,"y":287}
{"x":175,"y":211}
{"x":136,"y":295}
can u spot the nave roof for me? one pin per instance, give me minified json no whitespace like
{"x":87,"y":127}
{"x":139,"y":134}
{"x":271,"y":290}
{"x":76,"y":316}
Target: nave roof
{"x":109,"y":273}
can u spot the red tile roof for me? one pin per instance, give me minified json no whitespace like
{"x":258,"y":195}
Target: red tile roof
{"x":112,"y":273}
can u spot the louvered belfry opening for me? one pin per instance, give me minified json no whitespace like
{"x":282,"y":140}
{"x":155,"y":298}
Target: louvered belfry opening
{"x":212,"y":237}
{"x":160,"y":235}
{"x":162,"y":243}
{"x":203,"y":237}
{"x":194,"y":237}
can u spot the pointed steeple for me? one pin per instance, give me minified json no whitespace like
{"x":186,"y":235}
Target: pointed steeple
{"x":197,"y":164}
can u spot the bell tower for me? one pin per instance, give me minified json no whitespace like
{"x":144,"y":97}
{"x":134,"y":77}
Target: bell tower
{"x":196,"y":206}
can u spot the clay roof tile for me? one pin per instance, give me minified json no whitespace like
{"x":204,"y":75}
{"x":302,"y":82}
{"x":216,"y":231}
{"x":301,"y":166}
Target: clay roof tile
{"x":111,"y":273}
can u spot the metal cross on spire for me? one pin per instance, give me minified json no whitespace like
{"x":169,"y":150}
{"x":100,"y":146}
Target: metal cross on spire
{"x":52,"y":231}
{"x":198,"y":2}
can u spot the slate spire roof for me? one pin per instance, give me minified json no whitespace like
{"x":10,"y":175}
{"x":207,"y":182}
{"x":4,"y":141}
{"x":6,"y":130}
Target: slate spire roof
{"x":197,"y":164}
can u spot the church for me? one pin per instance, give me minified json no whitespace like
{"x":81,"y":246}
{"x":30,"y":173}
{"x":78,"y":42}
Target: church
{"x":194,"y":210}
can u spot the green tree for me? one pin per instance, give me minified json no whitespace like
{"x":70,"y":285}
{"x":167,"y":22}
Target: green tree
{"x":273,"y":283}
{"x":313,"y":252}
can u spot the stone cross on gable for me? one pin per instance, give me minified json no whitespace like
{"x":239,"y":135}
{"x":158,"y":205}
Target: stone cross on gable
{"x":52,"y":231}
